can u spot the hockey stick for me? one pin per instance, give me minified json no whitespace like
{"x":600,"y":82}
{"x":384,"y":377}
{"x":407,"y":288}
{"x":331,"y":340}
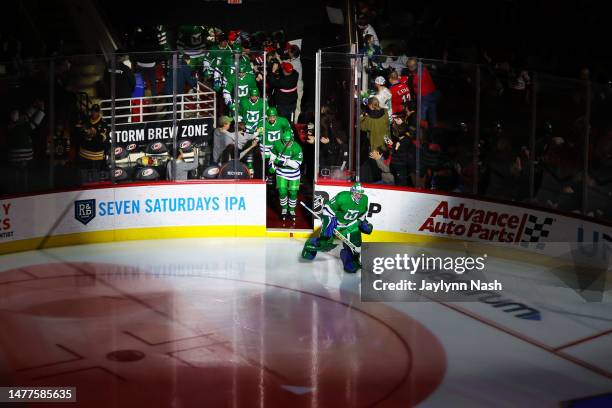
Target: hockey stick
{"x":336,"y":233}
{"x":281,"y":154}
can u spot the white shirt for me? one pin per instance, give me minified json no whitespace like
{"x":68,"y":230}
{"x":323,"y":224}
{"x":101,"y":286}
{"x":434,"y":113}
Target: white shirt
{"x":384,"y":99}
{"x":396,"y":63}
{"x":297,"y":66}
{"x":370,"y":30}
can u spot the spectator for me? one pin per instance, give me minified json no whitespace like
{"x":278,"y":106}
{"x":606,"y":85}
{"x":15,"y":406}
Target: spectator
{"x":125,"y":83}
{"x":93,"y":137}
{"x":179,"y":169}
{"x":366,"y":29}
{"x":222,"y":138}
{"x":185,"y":78}
{"x":124,"y":76}
{"x":400,"y":94}
{"x":402,"y":158}
{"x":375,"y":121}
{"x":284,"y":88}
{"x":504,"y":169}
{"x":429,"y":94}
{"x":383,"y":95}
{"x":386,"y":177}
{"x":373,"y":52}
{"x":293,"y":54}
{"x":394,"y":62}
{"x":20,"y":147}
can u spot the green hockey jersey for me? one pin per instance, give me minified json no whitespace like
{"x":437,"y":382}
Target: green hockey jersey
{"x":345,"y":209}
{"x":252,"y":114}
{"x":290,"y":158}
{"x":272,"y":133}
{"x":245,"y":84}
{"x":218,"y":57}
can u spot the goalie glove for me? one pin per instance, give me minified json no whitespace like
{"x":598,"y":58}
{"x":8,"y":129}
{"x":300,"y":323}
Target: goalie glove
{"x":365,"y":227}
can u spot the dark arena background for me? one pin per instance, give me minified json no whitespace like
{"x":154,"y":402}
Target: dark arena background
{"x":261,"y":203}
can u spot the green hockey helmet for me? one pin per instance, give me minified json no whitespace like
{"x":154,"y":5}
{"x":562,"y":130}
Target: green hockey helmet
{"x":271,"y":112}
{"x":287,"y":136}
{"x":357,"y":192}
{"x":253,"y":92}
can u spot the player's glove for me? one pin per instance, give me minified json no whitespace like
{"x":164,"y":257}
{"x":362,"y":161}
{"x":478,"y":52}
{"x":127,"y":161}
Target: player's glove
{"x":279,"y":162}
{"x":272,"y":169}
{"x":365,"y":227}
{"x":329,"y":231}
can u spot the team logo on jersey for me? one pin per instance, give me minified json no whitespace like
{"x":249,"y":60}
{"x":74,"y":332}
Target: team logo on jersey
{"x":243,"y":90}
{"x":85,"y":211}
{"x":252,"y":116}
{"x":318,"y":200}
{"x":273,"y":135}
{"x":351,"y":215}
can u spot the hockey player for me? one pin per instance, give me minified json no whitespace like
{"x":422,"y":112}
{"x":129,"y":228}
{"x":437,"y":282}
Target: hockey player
{"x":219,"y":55}
{"x":252,"y":111}
{"x":274,"y":127}
{"x":346,"y":213}
{"x":246,"y":82}
{"x":285,"y":160}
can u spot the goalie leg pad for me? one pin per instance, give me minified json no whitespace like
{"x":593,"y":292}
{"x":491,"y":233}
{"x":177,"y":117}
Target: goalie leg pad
{"x":349,"y":261}
{"x":319,"y":244}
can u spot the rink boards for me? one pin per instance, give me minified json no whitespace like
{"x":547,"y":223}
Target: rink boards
{"x":201,"y":209}
{"x":172,"y":210}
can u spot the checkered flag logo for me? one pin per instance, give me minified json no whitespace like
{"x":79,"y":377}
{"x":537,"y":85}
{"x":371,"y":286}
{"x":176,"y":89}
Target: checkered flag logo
{"x":535,"y":230}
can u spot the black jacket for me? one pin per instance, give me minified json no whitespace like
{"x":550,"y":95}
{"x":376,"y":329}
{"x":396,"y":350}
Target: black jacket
{"x":124,"y":81}
{"x":284,"y":88}
{"x":405,"y":154}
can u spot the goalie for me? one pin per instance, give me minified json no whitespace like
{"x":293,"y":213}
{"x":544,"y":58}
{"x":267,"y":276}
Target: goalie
{"x":345,"y":213}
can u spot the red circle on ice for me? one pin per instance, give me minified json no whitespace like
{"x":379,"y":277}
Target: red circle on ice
{"x":208,"y":341}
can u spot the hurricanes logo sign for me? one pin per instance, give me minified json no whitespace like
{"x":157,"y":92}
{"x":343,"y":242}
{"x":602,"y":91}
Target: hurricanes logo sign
{"x":84,"y":211}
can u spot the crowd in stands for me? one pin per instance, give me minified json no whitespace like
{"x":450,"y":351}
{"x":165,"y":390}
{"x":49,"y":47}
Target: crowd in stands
{"x":500,"y":163}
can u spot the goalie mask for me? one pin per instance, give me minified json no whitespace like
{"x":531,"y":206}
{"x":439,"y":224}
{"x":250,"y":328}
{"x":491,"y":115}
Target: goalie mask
{"x":357,"y":192}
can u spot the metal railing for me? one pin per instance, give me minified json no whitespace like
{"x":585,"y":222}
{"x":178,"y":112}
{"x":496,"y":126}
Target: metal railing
{"x":199,"y":102}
